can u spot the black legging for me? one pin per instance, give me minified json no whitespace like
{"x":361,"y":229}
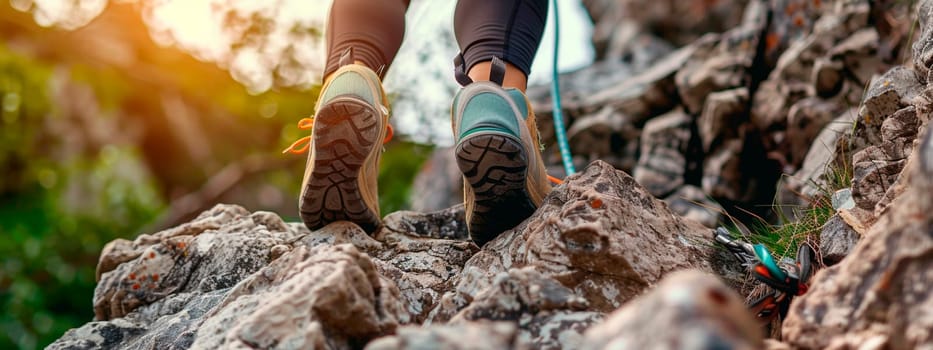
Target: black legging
{"x":508,"y":29}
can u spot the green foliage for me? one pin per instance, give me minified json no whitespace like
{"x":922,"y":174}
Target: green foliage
{"x":56,"y":214}
{"x":400,"y":163}
{"x":23,"y":105}
{"x":784,"y":238}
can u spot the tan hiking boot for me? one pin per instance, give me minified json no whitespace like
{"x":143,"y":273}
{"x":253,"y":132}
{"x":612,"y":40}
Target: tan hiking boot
{"x":497,"y":150}
{"x":348,"y":131}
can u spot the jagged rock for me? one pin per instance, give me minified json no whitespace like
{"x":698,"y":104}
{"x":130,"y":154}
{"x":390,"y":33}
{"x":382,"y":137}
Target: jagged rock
{"x":439,"y":183}
{"x":722,"y":113}
{"x":828,"y":77}
{"x":876,"y":168}
{"x":162,"y":288}
{"x":923,"y":47}
{"x":677,"y":22}
{"x":821,"y":161}
{"x":722,"y":172}
{"x":663,"y":160}
{"x":858,"y":53}
{"x":599,"y":234}
{"x":549,"y":315}
{"x":473,"y":335}
{"x":449,"y":223}
{"x":887,"y":94}
{"x":837,"y":239}
{"x":842,"y":199}
{"x":690,"y":202}
{"x":688,"y":310}
{"x":605,"y":133}
{"x":324,"y":297}
{"x":212,"y":252}
{"x":805,"y":120}
{"x":720,"y":62}
{"x":519,"y":292}
{"x":879,"y":296}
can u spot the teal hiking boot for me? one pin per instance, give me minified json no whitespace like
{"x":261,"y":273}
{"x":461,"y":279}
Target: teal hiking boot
{"x":497,"y":150}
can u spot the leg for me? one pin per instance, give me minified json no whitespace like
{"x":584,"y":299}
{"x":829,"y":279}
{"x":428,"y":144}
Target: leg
{"x":508,"y":29}
{"x":351,"y":121}
{"x":374,"y":29}
{"x":497,"y":146}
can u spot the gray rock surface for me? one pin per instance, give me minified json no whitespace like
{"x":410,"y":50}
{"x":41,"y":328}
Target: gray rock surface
{"x":688,"y":310}
{"x":663,"y":161}
{"x":837,"y":239}
{"x":599,"y":234}
{"x":880,"y":294}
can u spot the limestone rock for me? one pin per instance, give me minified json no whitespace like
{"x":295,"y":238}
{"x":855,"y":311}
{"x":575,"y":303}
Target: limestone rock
{"x":805,"y":120}
{"x":719,"y":63}
{"x":923,"y":47}
{"x":887,"y":94}
{"x":600,"y":235}
{"x":549,"y":315}
{"x":837,"y":239}
{"x":722,"y":172}
{"x":212,"y":252}
{"x":879,"y":296}
{"x":876,"y":168}
{"x":474,"y":335}
{"x":821,"y":159}
{"x":663,"y":161}
{"x":323,"y":297}
{"x":605,"y":133}
{"x":688,"y":310}
{"x":722,"y":113}
{"x":234,"y":271}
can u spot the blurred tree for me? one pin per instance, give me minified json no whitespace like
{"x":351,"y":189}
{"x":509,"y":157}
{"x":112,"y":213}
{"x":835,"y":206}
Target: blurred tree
{"x":104,"y":133}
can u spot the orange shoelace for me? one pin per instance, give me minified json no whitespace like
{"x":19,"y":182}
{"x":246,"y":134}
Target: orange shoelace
{"x":301,"y":145}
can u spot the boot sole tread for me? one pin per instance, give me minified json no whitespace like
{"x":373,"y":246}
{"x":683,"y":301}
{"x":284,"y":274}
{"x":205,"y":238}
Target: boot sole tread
{"x":345,"y":133}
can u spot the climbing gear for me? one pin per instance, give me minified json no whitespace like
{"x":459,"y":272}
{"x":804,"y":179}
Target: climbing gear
{"x":785,"y":280}
{"x":497,"y":150}
{"x":348,"y":130}
{"x":559,"y":129}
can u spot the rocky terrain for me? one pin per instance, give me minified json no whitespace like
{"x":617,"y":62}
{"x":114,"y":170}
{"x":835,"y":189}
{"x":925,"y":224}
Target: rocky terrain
{"x":775,"y":100}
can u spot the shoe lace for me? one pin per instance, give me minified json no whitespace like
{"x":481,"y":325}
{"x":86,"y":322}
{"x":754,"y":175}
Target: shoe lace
{"x":301,"y":145}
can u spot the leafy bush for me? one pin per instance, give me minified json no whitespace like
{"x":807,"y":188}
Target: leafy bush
{"x":56,"y":215}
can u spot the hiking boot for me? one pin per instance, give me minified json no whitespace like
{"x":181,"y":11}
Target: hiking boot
{"x":348,"y":131}
{"x":498,"y":153}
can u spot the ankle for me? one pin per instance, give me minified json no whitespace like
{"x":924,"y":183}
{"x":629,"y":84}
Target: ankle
{"x":514,"y":77}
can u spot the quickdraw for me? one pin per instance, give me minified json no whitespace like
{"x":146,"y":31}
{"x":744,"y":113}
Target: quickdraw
{"x":785,"y":280}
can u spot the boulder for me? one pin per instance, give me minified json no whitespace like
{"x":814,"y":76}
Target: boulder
{"x":241,"y":274}
{"x":599,"y":234}
{"x":879,"y":296}
{"x":688,"y":310}
{"x":837,"y":239}
{"x":663,"y":160}
{"x":923,"y":46}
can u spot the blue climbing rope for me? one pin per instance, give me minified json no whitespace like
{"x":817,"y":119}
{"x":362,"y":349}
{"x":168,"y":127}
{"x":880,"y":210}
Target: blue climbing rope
{"x":555,"y":98}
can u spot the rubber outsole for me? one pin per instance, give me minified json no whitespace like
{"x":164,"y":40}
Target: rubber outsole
{"x":495,"y":166}
{"x":345,"y":132}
